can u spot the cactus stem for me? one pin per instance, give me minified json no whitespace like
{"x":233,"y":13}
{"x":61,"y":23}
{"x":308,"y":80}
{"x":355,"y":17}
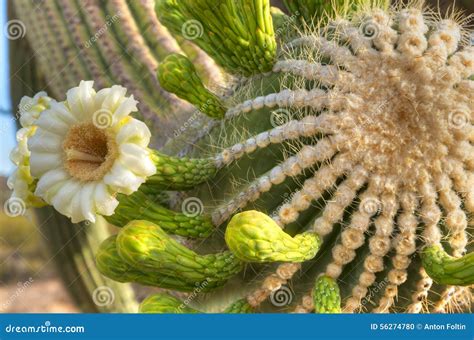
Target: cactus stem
{"x":447,"y":270}
{"x":175,"y":173}
{"x":140,"y":206}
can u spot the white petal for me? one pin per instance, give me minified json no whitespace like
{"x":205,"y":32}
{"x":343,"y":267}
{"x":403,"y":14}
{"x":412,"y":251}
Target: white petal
{"x":105,"y":203}
{"x":62,"y":199}
{"x":63,"y":113}
{"x":136,"y":159}
{"x":87,"y":202}
{"x":44,"y":141}
{"x":122,"y":179}
{"x":76,"y":207}
{"x":114,"y":98}
{"x":50,"y":121}
{"x":49,"y":179}
{"x":134,"y":131}
{"x":41,"y":163}
{"x":128,"y":106}
{"x":80,"y":100}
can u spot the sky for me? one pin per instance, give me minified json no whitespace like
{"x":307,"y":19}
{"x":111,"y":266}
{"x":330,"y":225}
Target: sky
{"x":7,"y":124}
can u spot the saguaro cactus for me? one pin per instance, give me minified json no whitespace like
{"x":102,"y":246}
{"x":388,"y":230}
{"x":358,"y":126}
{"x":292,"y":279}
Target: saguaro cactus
{"x":341,"y":164}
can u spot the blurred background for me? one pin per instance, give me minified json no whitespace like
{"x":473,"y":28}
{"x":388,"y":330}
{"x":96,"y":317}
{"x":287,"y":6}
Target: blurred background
{"x":32,"y":275}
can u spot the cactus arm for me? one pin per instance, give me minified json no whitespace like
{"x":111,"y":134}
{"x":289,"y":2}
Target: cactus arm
{"x":448,"y":270}
{"x":254,"y":237}
{"x":326,"y":295}
{"x":165,"y":303}
{"x":179,"y":76}
{"x":183,"y":224}
{"x":148,"y":248}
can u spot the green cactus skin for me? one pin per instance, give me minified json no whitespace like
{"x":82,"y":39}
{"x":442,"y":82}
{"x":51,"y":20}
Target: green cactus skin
{"x":448,"y":270}
{"x":240,"y":38}
{"x":178,"y":75}
{"x":254,"y":237}
{"x":239,"y":307}
{"x":146,"y":247}
{"x":326,"y":296}
{"x":164,"y":303}
{"x":140,"y":206}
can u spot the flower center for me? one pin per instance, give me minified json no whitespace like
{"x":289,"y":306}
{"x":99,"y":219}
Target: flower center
{"x":90,"y":152}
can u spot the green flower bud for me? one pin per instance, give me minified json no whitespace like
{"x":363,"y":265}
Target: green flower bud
{"x":447,"y":270}
{"x":254,"y":237}
{"x":164,"y":303}
{"x":179,"y":76}
{"x":238,"y":35}
{"x":326,"y":296}
{"x":146,"y":247}
{"x":110,"y":264}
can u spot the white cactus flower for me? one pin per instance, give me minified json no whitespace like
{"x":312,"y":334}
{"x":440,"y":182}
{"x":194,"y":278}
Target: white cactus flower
{"x":87,"y":149}
{"x":21,"y":181}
